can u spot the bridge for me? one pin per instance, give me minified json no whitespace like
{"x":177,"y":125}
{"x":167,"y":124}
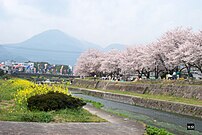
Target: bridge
{"x":29,"y":75}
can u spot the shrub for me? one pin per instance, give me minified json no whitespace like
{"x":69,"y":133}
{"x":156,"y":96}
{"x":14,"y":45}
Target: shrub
{"x":157,"y":131}
{"x":5,"y":77}
{"x":53,"y":101}
{"x":36,"y":117}
{"x":1,"y":72}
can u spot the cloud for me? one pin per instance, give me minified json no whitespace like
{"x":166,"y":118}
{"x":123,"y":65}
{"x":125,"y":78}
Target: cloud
{"x":99,"y":21}
{"x":51,"y":7}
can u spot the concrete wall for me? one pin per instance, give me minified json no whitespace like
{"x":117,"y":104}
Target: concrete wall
{"x":185,"y":109}
{"x":184,"y":90}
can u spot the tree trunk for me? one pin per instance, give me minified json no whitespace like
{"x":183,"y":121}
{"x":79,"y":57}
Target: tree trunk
{"x":198,"y":67}
{"x":188,"y":67}
{"x":156,"y":72}
{"x":148,"y":75}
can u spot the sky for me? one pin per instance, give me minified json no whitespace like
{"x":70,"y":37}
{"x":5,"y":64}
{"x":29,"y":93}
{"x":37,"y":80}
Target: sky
{"x":102,"y":22}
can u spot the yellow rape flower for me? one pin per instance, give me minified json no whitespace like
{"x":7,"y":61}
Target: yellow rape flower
{"x":28,"y":89}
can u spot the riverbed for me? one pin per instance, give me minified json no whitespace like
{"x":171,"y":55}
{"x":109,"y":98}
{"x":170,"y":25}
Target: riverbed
{"x":174,"y":123}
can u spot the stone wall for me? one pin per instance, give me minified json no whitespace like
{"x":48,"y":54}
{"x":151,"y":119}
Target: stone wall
{"x":184,"y":90}
{"x":180,"y":108}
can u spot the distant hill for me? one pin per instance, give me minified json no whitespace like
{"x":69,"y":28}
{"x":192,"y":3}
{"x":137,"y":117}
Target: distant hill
{"x":115,"y":46}
{"x":52,"y":46}
{"x":4,"y":54}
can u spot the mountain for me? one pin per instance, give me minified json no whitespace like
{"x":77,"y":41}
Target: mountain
{"x":4,"y":54}
{"x":57,"y":40}
{"x":115,"y":46}
{"x":52,"y":46}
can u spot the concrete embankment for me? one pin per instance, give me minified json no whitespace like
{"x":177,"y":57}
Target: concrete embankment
{"x":170,"y":89}
{"x":174,"y":107}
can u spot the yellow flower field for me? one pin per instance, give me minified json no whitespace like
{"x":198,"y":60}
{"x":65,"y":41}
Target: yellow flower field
{"x":13,"y":103}
{"x":28,"y":89}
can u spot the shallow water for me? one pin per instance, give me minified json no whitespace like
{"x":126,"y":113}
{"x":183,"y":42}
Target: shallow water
{"x":173,"y":122}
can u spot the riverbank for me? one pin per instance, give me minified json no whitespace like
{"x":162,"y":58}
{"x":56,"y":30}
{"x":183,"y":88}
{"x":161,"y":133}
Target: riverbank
{"x":172,"y":122}
{"x":168,"y":106}
{"x":167,"y":88}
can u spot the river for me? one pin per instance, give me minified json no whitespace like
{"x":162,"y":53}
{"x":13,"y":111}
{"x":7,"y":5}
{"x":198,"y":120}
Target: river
{"x":174,"y":123}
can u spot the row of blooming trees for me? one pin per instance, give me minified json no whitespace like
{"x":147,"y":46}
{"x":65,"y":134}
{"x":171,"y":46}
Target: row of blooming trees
{"x":180,"y":47}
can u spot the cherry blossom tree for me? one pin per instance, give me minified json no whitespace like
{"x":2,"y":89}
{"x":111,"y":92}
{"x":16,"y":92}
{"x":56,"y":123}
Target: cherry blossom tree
{"x":168,"y":46}
{"x":110,"y":62}
{"x":182,"y":56}
{"x":138,"y":59}
{"x":88,"y":64}
{"x":135,"y":60}
{"x":195,"y":52}
{"x":180,"y":46}
{"x":175,"y":48}
{"x":153,"y":59}
{"x":128,"y":63}
{"x":148,"y":60}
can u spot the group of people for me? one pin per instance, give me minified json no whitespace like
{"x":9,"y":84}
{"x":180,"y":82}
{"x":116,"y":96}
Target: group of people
{"x":174,"y":76}
{"x":114,"y":78}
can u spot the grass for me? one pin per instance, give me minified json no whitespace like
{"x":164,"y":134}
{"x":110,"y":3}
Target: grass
{"x":66,"y":115}
{"x":10,"y":111}
{"x":95,"y":104}
{"x":159,"y":97}
{"x":172,"y":128}
{"x":72,"y":115}
{"x":155,"y":97}
{"x":7,"y":90}
{"x":156,"y":131}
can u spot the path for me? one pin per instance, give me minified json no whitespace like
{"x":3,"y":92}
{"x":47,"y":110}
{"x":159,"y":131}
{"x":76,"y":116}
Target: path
{"x":115,"y":126}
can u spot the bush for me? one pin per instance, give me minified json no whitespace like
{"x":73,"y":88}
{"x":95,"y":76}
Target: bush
{"x":54,"y":101}
{"x":37,"y":117}
{"x":157,"y":131}
{"x":1,"y":72}
{"x":5,"y":77}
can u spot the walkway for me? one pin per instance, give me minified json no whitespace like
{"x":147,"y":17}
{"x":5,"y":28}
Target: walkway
{"x":115,"y":126}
